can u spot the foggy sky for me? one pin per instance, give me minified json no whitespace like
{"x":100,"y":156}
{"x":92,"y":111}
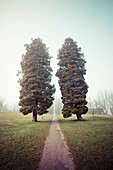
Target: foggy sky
{"x":89,"y":22}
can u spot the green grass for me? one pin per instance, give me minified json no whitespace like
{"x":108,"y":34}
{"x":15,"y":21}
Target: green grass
{"x":90,"y":142}
{"x":21,"y":140}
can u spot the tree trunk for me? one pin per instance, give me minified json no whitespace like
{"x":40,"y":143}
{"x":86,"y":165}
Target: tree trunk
{"x":35,"y":115}
{"x":79,"y":117}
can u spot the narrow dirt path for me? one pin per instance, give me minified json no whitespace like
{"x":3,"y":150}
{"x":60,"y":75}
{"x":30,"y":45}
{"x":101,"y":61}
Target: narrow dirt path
{"x":56,"y":155}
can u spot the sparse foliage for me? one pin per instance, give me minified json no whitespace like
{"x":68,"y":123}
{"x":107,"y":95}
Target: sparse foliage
{"x":58,"y":105}
{"x":102,"y":101}
{"x":1,"y":103}
{"x":102,"y":104}
{"x":71,"y":79}
{"x":36,"y":94}
{"x":94,"y":108}
{"x":51,"y":110}
{"x":91,"y":106}
{"x":110,"y":102}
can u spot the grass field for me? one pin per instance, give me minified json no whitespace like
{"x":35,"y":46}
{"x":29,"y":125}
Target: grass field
{"x":21,"y":140}
{"x":91,"y":142}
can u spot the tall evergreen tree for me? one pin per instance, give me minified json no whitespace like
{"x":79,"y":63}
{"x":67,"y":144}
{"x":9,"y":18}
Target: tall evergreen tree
{"x":71,"y":79}
{"x":36,"y":94}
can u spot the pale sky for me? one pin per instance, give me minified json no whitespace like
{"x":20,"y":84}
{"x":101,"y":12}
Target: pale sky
{"x":89,"y":22}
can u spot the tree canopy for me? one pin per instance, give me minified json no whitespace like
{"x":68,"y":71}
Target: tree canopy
{"x":71,"y":79}
{"x":36,"y":94}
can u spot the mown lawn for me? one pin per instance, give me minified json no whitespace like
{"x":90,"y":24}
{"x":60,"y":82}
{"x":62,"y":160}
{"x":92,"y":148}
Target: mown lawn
{"x":21,"y":140}
{"x":91,"y":142}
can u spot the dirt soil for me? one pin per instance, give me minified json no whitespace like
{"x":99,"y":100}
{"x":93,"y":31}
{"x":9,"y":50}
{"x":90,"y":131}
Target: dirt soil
{"x":56,"y":155}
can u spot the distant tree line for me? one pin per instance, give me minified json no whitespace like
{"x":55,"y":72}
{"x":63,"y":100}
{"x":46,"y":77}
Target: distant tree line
{"x":58,"y":105}
{"x":102,"y":104}
{"x":1,"y":104}
{"x":6,"y":108}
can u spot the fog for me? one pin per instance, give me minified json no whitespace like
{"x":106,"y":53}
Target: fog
{"x":87,"y":22}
